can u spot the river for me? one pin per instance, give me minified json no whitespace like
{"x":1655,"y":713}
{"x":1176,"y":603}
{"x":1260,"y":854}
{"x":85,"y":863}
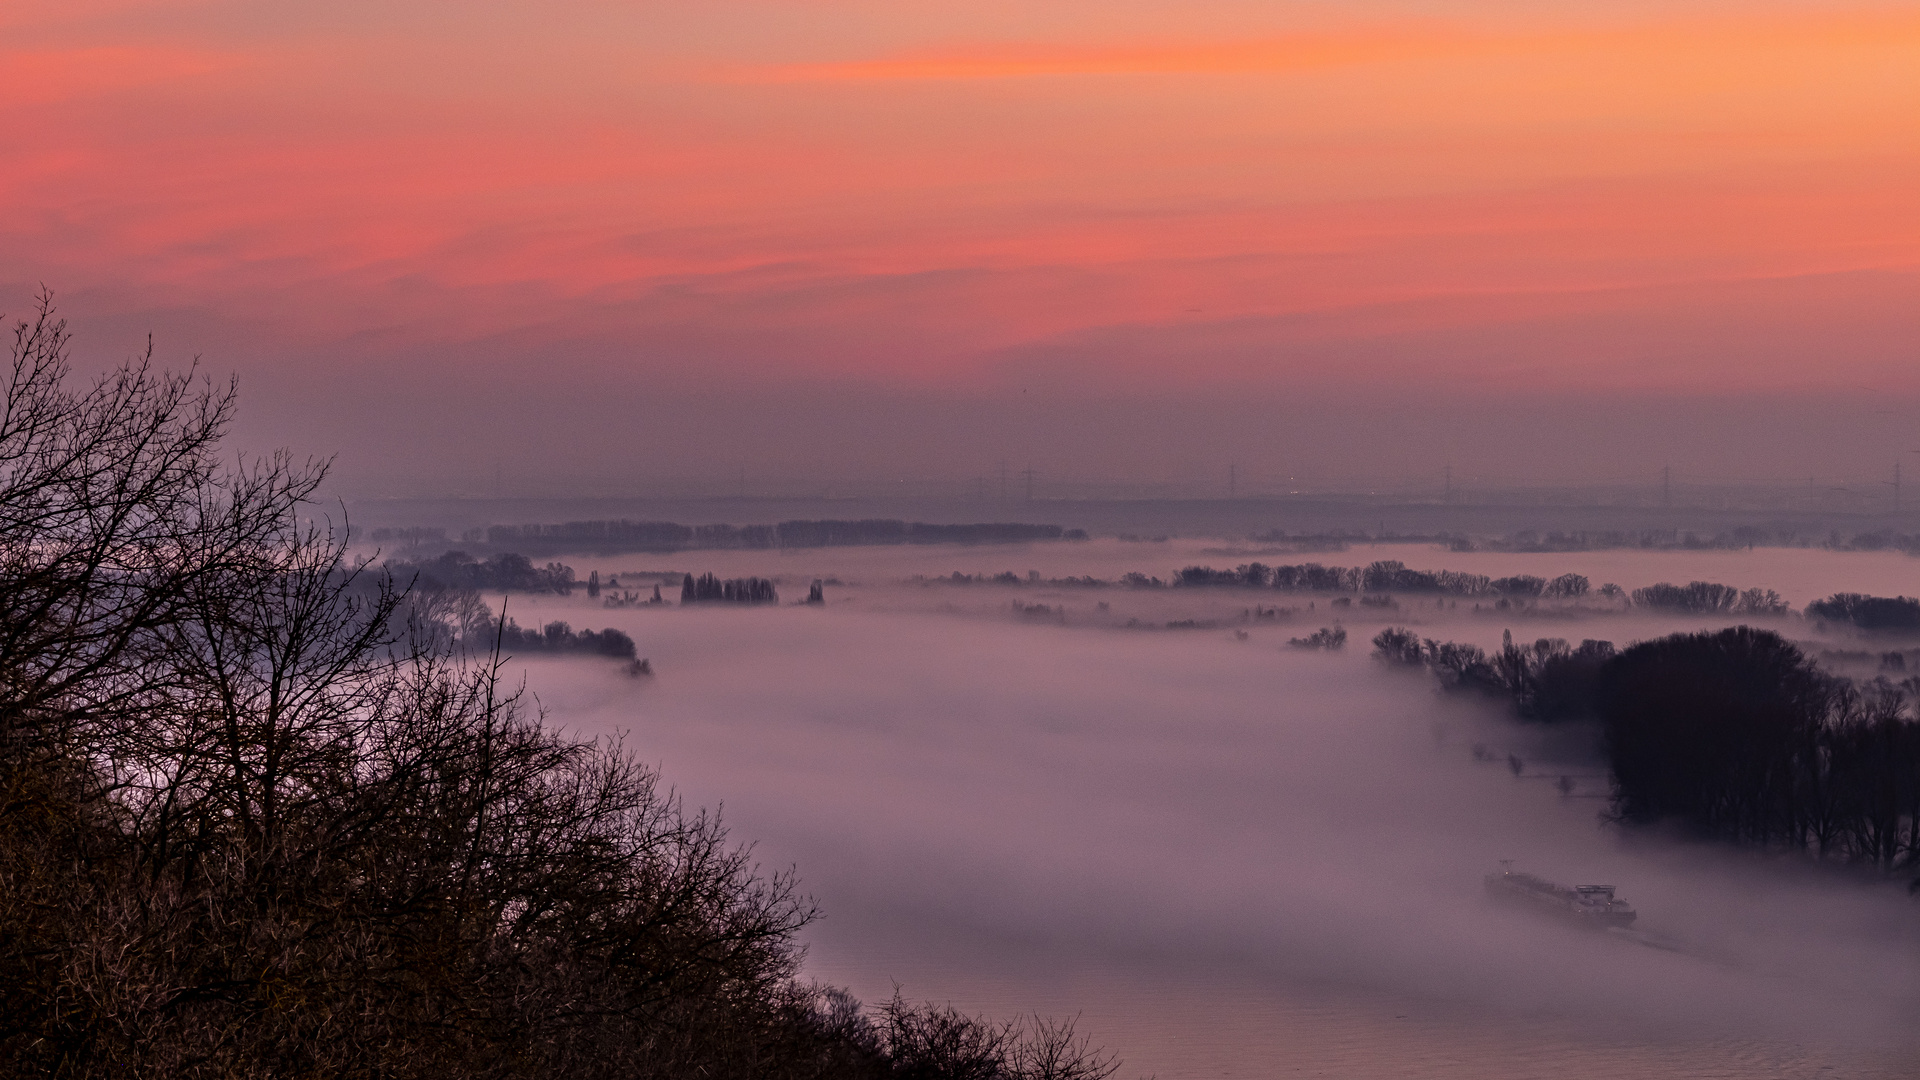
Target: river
{"x":1228,"y":857}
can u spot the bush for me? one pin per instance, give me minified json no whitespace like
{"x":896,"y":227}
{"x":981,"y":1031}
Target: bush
{"x":1694,"y":598}
{"x":1882,"y":613}
{"x":1567,"y":586}
{"x":1327,"y":637}
{"x":1398,"y":645}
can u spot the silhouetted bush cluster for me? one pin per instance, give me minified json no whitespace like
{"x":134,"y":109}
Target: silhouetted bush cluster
{"x":1738,"y":735}
{"x":1889,"y":613}
{"x":1547,"y":680}
{"x":1005,"y":577}
{"x":1733,"y":734}
{"x":1327,"y":637}
{"x":1708,"y":598}
{"x":505,"y":572}
{"x":707,"y":589}
{"x":558,"y":637}
{"x":245,"y":831}
{"x":1384,"y":576}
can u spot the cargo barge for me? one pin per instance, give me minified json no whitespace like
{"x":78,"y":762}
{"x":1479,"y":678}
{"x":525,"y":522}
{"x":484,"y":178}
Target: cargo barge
{"x":1587,"y":905}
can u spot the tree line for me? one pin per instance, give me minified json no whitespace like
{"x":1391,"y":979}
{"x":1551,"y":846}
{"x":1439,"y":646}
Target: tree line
{"x":258,"y":819}
{"x":1393,"y":576}
{"x":708,"y":589}
{"x":661,"y":536}
{"x":1385,"y":575}
{"x":1732,"y":734}
{"x":503,"y":572}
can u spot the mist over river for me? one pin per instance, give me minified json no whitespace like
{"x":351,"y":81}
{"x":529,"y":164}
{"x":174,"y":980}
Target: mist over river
{"x":1231,"y":857}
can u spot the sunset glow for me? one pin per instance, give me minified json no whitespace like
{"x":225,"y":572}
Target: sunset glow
{"x":924,"y":198}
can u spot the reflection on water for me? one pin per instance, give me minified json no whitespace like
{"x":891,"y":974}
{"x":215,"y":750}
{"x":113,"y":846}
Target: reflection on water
{"x":1233,"y":858}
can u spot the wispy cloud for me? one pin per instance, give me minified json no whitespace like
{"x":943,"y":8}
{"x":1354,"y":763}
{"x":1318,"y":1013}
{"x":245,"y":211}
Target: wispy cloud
{"x":43,"y":77}
{"x":1313,"y":50}
{"x":1027,"y":60}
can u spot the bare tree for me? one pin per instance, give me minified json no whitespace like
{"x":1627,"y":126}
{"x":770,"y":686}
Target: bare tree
{"x":261,"y":816}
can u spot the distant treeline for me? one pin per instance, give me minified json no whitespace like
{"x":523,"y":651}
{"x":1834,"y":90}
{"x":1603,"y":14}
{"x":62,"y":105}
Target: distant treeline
{"x":1734,"y":734}
{"x":1868,"y":612}
{"x":613,"y":536}
{"x":559,"y":637}
{"x":1528,"y":540}
{"x":1392,"y":576}
{"x":505,"y":572}
{"x":659,"y":536}
{"x":1744,"y":536}
{"x":1706,"y":598}
{"x":1386,"y":575}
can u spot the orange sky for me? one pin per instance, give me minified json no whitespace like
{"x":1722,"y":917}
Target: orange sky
{"x":1674,"y":197}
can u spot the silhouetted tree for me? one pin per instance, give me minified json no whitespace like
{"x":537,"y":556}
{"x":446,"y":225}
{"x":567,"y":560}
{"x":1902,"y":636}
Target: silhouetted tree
{"x":1567,"y":586}
{"x":1694,"y":598}
{"x":1719,"y":730}
{"x":1868,"y":612}
{"x":1327,"y":637}
{"x":708,"y":589}
{"x":248,"y":827}
{"x":1520,"y":585}
{"x":1400,"y":646}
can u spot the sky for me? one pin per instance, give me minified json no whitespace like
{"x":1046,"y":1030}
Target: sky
{"x":817,"y":238}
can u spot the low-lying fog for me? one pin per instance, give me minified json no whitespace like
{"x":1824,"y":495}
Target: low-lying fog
{"x":1231,"y":857}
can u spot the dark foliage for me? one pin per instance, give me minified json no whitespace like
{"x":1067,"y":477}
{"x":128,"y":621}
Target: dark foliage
{"x":558,"y":637}
{"x":941,"y":1043}
{"x":1312,"y":577}
{"x":1715,"y":730}
{"x":1521,"y":585}
{"x":246,"y":831}
{"x":1738,"y":735}
{"x":1252,"y":575}
{"x":1554,"y":682}
{"x":1733,"y":734}
{"x":1567,"y":586}
{"x":1548,"y":680}
{"x":1887,"y":613}
{"x":707,"y":589}
{"x":1399,"y":646}
{"x":505,"y":572}
{"x":1332,"y":638}
{"x":1699,"y":597}
{"x":1708,"y":598}
{"x":1382,"y":577}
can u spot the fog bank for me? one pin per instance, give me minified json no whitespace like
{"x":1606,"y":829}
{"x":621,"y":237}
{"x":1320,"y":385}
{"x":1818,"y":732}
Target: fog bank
{"x":1148,"y":825}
